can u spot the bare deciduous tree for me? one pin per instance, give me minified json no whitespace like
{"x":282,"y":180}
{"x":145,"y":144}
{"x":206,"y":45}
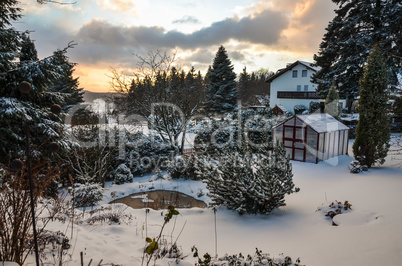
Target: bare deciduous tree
{"x":153,"y":62}
{"x":161,"y":95}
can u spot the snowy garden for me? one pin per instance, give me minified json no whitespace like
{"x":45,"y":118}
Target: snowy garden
{"x":183,"y":168}
{"x":367,"y":232}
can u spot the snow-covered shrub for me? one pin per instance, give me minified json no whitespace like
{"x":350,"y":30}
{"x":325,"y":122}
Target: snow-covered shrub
{"x":87,"y":195}
{"x":182,"y":167}
{"x":110,"y":214}
{"x":288,"y":114}
{"x":356,"y":167}
{"x":258,"y":259}
{"x":158,"y":174}
{"x":255,"y":128}
{"x":247,"y":182}
{"x":299,"y":109}
{"x":54,"y":239}
{"x":144,"y":153}
{"x":314,"y":106}
{"x":219,"y":135}
{"x":334,"y":208}
{"x":123,"y":175}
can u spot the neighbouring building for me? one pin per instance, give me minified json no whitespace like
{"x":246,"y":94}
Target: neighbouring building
{"x":312,"y":138}
{"x":292,"y":86}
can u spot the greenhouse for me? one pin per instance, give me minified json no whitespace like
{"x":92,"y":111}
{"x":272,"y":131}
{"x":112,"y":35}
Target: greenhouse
{"x":312,"y":138}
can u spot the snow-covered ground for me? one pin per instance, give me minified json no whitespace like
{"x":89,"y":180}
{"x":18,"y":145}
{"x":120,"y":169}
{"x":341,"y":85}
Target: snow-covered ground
{"x":369,"y":234}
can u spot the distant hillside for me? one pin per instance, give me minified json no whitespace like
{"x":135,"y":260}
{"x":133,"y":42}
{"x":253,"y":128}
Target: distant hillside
{"x":90,"y":96}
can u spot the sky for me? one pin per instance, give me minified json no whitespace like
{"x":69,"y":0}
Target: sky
{"x":109,"y":33}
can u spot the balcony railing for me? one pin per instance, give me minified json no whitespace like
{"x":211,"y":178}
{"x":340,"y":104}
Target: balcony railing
{"x":297,"y":95}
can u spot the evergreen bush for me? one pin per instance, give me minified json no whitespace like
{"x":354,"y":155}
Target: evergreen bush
{"x":123,"y":175}
{"x":299,"y":109}
{"x":314,"y":107}
{"x":246,"y":181}
{"x":87,"y":195}
{"x":144,"y":153}
{"x":182,"y":167}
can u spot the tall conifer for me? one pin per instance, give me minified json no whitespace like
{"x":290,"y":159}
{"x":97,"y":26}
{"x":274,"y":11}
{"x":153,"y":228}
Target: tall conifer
{"x":243,"y":86}
{"x":357,"y":26}
{"x":19,"y":62}
{"x":373,"y":129}
{"x":221,"y":88}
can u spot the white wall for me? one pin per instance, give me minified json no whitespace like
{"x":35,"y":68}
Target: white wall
{"x":286,"y":82}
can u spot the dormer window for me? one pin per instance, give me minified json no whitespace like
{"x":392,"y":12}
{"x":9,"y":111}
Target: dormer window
{"x":304,"y":73}
{"x":294,"y":74}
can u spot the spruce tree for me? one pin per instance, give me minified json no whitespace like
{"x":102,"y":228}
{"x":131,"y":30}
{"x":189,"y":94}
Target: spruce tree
{"x":373,"y":129}
{"x":243,"y":86}
{"x":332,"y":102}
{"x":221,"y":88}
{"x":32,"y":111}
{"x":10,"y":41}
{"x":66,"y":86}
{"x":357,"y":26}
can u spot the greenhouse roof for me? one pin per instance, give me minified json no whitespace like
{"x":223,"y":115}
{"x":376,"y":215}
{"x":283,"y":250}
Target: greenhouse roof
{"x":322,"y":122}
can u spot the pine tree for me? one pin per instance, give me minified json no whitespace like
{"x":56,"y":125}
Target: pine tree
{"x":19,"y":111}
{"x":28,"y":50}
{"x":357,"y":26}
{"x":221,"y":88}
{"x":332,"y":102}
{"x":66,"y":86}
{"x":246,"y":181}
{"x":243,"y":86}
{"x":10,"y":41}
{"x":373,"y":130}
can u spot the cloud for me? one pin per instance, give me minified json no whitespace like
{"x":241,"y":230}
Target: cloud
{"x":187,"y":20}
{"x":262,"y":29}
{"x":101,"y":40}
{"x":236,"y":55}
{"x":307,"y":22}
{"x":119,"y":5}
{"x":201,"y":56}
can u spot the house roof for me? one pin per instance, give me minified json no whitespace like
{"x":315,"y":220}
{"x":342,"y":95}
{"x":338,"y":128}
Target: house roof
{"x":290,"y":66}
{"x":281,"y":107}
{"x":322,"y":122}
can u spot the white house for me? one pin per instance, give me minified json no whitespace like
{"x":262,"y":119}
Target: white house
{"x":292,"y":85}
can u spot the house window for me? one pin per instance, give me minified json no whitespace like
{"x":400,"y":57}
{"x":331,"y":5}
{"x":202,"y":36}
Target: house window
{"x":294,"y":74}
{"x":298,"y":87}
{"x":304,"y":73}
{"x":305,"y":87}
